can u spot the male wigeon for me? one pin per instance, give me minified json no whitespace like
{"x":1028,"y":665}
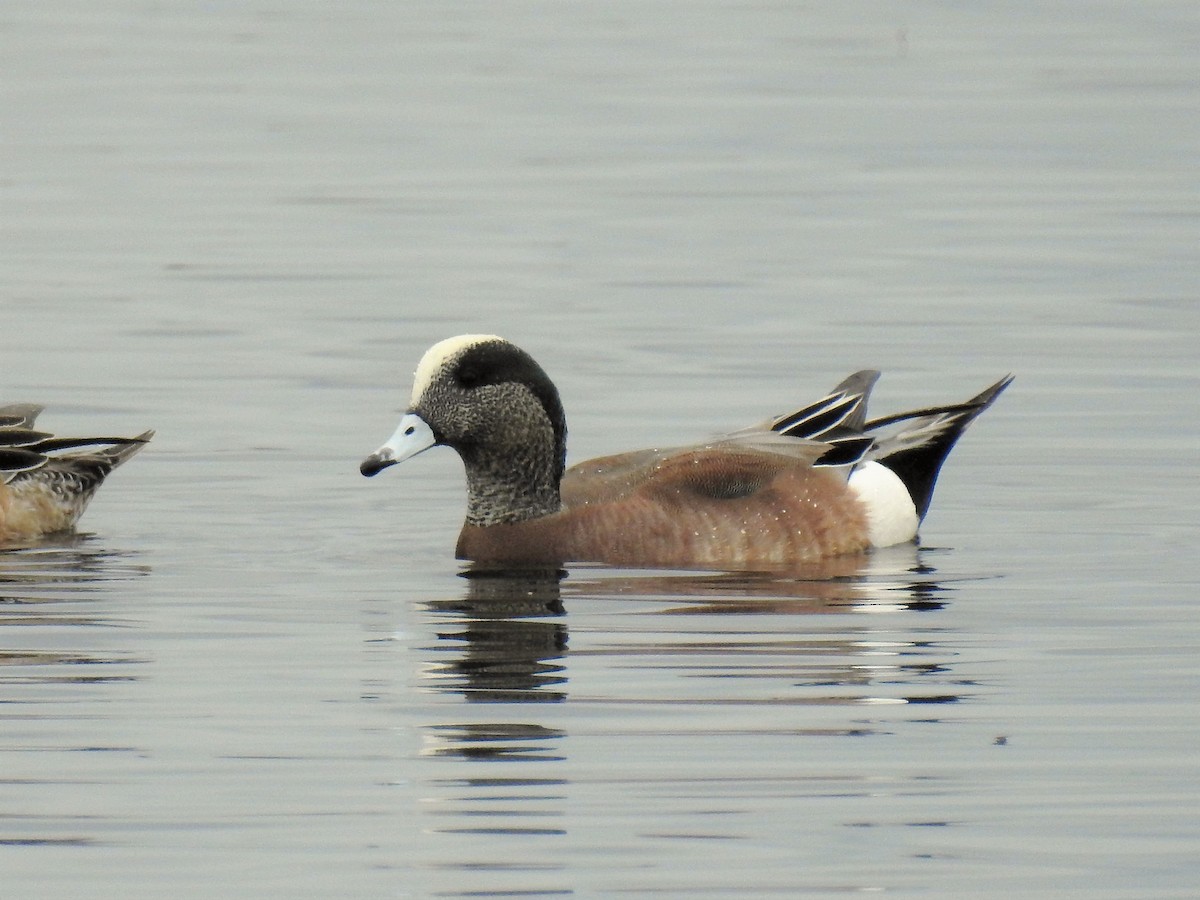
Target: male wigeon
{"x":41,"y":493}
{"x":816,"y":483}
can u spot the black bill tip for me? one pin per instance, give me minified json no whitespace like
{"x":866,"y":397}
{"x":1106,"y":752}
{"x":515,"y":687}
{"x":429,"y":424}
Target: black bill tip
{"x":374,"y":464}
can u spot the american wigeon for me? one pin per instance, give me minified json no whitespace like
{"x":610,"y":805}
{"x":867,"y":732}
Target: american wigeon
{"x":818,"y":482}
{"x":41,"y":493}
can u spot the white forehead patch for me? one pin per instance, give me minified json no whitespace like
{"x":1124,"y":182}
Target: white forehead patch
{"x":438,"y":355}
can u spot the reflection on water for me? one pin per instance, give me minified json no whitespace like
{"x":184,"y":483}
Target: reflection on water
{"x":505,"y":639}
{"x":890,"y":579}
{"x":53,"y":586}
{"x":55,"y":656}
{"x":492,"y":741}
{"x":661,"y":666}
{"x":500,"y":646}
{"x":60,"y":562}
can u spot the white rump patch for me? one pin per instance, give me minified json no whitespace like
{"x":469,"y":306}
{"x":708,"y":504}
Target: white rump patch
{"x":891,"y":515}
{"x":438,"y":355}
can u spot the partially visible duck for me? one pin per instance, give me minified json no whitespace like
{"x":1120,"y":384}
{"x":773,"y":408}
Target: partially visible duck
{"x":816,"y":483}
{"x":43,"y":491}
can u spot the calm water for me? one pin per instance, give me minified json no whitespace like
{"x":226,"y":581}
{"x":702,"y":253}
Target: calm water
{"x":258,"y":674}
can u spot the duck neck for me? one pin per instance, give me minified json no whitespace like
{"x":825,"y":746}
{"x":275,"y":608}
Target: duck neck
{"x":514,"y":486}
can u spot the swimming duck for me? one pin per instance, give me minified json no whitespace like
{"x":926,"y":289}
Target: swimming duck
{"x":41,"y":490}
{"x":818,"y":482}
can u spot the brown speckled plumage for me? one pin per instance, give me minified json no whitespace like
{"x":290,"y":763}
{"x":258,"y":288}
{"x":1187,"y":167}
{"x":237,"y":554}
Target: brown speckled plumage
{"x":676,"y":517}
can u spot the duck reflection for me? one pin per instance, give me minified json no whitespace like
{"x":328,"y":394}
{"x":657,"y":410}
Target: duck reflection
{"x":51,"y":590}
{"x":837,"y":633}
{"x":502,"y":646}
{"x":705,"y":666}
{"x":60,"y":569}
{"x":494,"y":741}
{"x":892,"y":579}
{"x":502,"y":643}
{"x":505,"y":638}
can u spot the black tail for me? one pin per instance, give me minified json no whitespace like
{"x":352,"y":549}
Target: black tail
{"x":916,"y":452}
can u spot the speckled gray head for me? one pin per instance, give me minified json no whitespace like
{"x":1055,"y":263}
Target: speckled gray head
{"x":492,"y":403}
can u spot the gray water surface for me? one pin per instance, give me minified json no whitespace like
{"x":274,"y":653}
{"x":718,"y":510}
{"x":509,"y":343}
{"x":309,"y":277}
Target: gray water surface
{"x":255,"y":673}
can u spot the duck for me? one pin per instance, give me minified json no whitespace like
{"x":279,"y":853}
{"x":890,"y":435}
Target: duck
{"x":44,"y":491}
{"x":819,"y":482}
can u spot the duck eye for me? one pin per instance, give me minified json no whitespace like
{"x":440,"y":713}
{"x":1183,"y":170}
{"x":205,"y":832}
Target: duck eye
{"x":469,"y":377}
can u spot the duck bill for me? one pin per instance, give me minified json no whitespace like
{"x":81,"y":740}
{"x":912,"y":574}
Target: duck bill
{"x":412,"y":436}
